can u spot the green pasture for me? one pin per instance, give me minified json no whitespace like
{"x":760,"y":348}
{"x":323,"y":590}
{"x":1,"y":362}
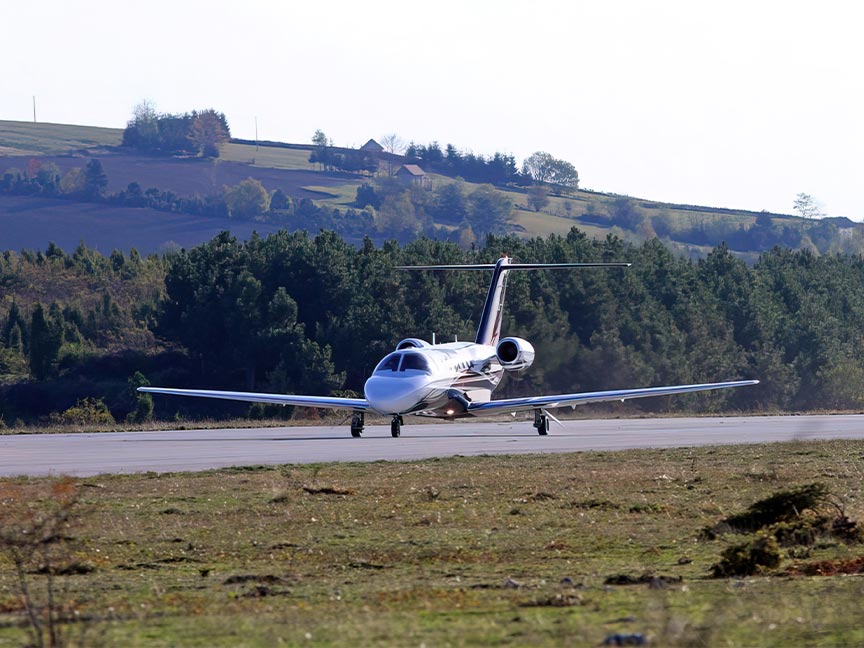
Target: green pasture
{"x":25,"y":138}
{"x":541,"y":550}
{"x":336,"y":196}
{"x":267,"y":156}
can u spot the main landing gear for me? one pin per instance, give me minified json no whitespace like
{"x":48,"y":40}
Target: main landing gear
{"x":357,"y":421}
{"x":541,"y":422}
{"x":357,"y":424}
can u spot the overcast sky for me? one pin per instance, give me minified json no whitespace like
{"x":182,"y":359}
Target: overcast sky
{"x":738,"y":104}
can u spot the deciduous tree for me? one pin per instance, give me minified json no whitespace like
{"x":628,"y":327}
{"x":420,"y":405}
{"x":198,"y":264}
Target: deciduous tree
{"x":807,"y":206}
{"x":209,"y":131}
{"x":538,"y":197}
{"x":248,"y":199}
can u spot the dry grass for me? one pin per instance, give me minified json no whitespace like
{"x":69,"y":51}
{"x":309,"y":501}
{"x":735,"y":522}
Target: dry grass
{"x":464,"y":551}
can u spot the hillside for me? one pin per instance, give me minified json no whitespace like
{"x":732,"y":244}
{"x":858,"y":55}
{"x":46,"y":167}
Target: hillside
{"x":24,"y":138}
{"x":32,"y":222}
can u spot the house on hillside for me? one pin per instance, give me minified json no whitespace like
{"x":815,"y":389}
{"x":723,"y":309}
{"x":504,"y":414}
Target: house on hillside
{"x":411,"y":174}
{"x":372,"y":147}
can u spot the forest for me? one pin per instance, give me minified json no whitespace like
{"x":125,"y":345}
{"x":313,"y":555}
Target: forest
{"x":297,"y":313}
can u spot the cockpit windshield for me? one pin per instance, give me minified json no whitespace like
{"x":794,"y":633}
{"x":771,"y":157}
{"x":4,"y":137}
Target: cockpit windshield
{"x":404,"y":362}
{"x":415,"y":362}
{"x":390,"y":363}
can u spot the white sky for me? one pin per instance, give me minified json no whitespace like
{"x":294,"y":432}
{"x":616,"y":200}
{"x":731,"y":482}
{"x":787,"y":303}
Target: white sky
{"x":730,"y":104}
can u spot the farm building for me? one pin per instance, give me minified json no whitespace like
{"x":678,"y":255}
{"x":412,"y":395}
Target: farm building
{"x":410,"y":174}
{"x":372,"y":147}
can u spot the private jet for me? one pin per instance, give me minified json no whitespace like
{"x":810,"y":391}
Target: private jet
{"x":455,"y":379}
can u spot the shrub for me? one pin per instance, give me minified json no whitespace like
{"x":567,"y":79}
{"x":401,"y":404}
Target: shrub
{"x":783,"y":506}
{"x":748,"y":558}
{"x":87,"y":411}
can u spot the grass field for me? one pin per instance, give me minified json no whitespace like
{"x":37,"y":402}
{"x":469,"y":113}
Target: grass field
{"x":543,"y":224}
{"x":267,"y":156}
{"x":23,"y":138}
{"x":459,"y":552}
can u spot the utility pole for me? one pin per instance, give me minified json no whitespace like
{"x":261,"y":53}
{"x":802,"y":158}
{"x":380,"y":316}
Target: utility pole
{"x":34,"y":109}
{"x":256,"y":133}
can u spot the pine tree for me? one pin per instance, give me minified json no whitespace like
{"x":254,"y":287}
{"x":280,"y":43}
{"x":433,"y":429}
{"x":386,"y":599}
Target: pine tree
{"x":45,"y":343}
{"x":95,"y":180}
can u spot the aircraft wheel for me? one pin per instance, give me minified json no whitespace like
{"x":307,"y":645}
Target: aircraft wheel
{"x":357,"y":421}
{"x":541,"y":422}
{"x":543,"y":430}
{"x":396,"y":427}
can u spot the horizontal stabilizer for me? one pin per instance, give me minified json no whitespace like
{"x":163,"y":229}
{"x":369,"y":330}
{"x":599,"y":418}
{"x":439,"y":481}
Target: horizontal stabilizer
{"x":515,"y":266}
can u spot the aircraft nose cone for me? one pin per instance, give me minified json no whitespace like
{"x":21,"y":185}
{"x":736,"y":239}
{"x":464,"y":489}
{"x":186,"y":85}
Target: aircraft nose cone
{"x":393,"y":395}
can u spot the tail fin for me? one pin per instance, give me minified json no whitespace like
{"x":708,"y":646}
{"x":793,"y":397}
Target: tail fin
{"x":489,"y":331}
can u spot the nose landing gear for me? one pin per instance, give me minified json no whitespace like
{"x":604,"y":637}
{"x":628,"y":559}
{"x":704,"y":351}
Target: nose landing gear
{"x":357,"y":420}
{"x":396,"y":426}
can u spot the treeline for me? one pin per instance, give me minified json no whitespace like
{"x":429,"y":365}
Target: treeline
{"x":453,"y":211}
{"x":66,"y":321}
{"x":199,"y":132}
{"x":305,"y":314}
{"x":384,"y":208}
{"x":764,"y":232}
{"x":331,"y":158}
{"x":539,"y":169}
{"x":247,"y":200}
{"x":498,"y":169}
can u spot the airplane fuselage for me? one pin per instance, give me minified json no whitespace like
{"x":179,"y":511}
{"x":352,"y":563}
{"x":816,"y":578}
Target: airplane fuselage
{"x":437,"y":380}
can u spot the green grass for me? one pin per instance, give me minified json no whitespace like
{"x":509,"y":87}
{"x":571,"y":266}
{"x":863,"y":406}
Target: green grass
{"x":542,"y":224}
{"x":339,"y":196}
{"x":267,"y":156}
{"x":24,"y":138}
{"x":458,"y":552}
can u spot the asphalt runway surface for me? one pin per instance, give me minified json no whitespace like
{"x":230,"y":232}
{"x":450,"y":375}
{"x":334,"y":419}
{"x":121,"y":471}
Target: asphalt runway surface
{"x":194,"y":450}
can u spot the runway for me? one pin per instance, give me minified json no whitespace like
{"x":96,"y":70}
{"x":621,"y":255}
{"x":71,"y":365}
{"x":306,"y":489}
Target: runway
{"x":195,"y":450}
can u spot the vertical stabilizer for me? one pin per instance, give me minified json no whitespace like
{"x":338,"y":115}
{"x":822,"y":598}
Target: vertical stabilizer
{"x":489,"y":331}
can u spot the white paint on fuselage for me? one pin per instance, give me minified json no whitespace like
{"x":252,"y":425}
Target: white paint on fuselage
{"x":466,"y":366}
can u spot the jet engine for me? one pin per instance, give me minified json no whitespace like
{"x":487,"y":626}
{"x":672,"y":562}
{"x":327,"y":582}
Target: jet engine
{"x":411,"y":343}
{"x":515,"y":354}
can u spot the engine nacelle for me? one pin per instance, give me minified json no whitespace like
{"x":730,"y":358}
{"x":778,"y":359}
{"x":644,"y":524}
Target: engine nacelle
{"x":515,"y":354}
{"x":411,"y":343}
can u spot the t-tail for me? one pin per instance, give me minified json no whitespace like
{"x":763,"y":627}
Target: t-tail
{"x":489,"y":331}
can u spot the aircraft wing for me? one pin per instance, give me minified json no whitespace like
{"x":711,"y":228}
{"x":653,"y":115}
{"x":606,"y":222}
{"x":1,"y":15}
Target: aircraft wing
{"x":563,"y":400}
{"x":322,"y":402}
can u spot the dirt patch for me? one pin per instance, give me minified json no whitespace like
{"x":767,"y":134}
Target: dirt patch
{"x":327,"y":490}
{"x":652,"y":580}
{"x":828,"y":567}
{"x":239,"y":579}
